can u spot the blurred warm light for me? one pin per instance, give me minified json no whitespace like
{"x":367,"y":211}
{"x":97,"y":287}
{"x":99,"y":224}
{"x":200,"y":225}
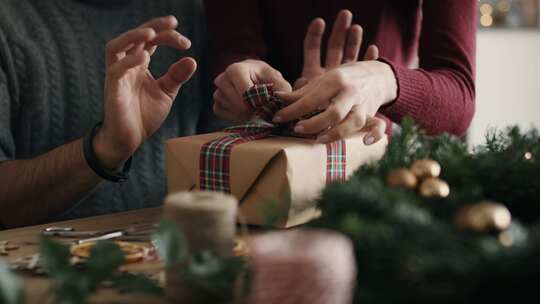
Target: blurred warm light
{"x":504,"y":6}
{"x":486,"y":20}
{"x":486,"y":9}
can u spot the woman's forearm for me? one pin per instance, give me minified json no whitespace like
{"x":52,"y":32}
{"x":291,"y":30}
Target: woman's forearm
{"x":34,"y":189}
{"x":440,"y":94}
{"x":439,"y":100}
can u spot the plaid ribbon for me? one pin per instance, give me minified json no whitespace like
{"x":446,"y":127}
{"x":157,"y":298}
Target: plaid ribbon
{"x":214,"y":162}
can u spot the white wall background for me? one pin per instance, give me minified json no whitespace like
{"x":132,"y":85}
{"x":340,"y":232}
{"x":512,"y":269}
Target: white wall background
{"x":508,"y":81}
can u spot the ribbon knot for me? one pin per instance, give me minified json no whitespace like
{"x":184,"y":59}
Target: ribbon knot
{"x":214,"y":163}
{"x":265,"y":104}
{"x":261,"y":99}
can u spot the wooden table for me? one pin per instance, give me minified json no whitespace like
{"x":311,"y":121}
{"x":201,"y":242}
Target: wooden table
{"x":37,"y":288}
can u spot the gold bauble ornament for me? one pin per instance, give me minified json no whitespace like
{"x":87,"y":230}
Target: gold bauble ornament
{"x":484,"y":217}
{"x":424,"y":168}
{"x":402,"y":177}
{"x":434,"y":187}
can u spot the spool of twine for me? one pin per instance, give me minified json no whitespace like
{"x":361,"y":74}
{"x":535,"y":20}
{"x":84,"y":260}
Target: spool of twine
{"x":208,"y":221}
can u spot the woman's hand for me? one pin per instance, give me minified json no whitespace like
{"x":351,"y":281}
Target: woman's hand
{"x":237,"y":79}
{"x":349,"y":96}
{"x":343,"y":47}
{"x":349,"y":93}
{"x":136,"y":104}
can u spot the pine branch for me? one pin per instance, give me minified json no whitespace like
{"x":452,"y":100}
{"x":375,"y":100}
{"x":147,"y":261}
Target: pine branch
{"x":408,"y":248}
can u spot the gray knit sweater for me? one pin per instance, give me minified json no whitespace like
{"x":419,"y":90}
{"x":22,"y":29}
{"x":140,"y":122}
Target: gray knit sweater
{"x":51,"y":86}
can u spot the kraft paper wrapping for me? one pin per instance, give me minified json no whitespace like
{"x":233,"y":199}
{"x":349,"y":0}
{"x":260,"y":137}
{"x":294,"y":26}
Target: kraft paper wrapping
{"x":283,"y":173}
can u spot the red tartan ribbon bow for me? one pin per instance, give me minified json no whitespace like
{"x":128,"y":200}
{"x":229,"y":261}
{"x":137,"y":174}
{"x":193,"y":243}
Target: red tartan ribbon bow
{"x":214,"y":166}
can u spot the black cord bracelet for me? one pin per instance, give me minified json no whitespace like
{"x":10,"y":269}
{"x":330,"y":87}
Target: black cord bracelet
{"x":93,"y":162}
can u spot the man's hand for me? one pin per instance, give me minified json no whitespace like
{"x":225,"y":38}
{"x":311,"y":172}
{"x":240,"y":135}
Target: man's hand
{"x":135,"y":107}
{"x":235,"y":80}
{"x":136,"y":104}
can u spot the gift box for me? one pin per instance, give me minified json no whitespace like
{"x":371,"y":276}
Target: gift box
{"x":274,"y":177}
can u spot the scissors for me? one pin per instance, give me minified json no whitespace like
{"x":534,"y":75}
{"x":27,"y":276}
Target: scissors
{"x":70,"y":232}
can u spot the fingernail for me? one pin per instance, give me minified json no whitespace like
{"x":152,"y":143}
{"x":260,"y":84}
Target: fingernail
{"x":369,"y":139}
{"x":323,"y":139}
{"x":277,"y":119}
{"x":299,"y":129}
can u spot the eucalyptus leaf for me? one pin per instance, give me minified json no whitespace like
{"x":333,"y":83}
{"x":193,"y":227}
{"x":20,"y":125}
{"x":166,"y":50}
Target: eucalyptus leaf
{"x":169,"y":242}
{"x":74,"y":284}
{"x":127,"y":283}
{"x":55,"y":256}
{"x":214,"y":273}
{"x":204,"y":264}
{"x":11,"y":291}
{"x":74,"y":287}
{"x":273,"y":214}
{"x":105,"y":258}
{"x":71,"y":285}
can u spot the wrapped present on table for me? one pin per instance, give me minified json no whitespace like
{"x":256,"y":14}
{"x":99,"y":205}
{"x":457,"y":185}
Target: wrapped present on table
{"x":271,"y":172}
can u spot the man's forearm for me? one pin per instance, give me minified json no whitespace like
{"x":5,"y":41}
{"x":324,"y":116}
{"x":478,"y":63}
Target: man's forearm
{"x":34,"y":189}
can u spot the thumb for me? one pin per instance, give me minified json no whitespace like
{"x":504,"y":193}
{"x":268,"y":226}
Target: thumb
{"x":178,"y":74}
{"x":290,"y":97}
{"x":282,"y":85}
{"x":271,"y":75}
{"x":374,"y":128}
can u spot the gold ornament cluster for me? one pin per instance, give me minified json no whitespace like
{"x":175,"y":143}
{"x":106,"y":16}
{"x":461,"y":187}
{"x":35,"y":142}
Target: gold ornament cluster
{"x":483,"y":217}
{"x":424,"y":174}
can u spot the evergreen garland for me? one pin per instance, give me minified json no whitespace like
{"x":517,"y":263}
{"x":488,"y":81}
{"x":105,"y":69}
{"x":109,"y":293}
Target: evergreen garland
{"x":408,"y":249}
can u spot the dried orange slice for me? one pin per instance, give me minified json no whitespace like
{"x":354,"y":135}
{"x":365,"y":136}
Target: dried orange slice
{"x":240,"y":247}
{"x":133,"y":252}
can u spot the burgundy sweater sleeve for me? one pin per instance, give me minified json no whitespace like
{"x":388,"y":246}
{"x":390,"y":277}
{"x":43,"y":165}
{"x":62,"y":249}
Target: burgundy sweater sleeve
{"x":235,"y":32}
{"x":440,"y":94}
